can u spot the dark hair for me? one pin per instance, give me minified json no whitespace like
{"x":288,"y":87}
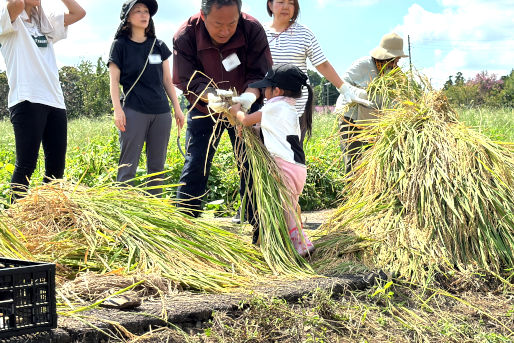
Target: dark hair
{"x":207,"y":5}
{"x":306,"y":118}
{"x":126,"y":30}
{"x":296,"y":9}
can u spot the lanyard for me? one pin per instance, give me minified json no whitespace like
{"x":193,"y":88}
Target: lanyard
{"x":272,"y":39}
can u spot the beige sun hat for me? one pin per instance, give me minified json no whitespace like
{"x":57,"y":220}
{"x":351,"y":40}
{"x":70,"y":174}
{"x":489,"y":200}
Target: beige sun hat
{"x":391,"y":46}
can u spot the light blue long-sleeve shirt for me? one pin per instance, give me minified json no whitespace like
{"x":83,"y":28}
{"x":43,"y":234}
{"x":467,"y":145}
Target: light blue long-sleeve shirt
{"x":360,"y":74}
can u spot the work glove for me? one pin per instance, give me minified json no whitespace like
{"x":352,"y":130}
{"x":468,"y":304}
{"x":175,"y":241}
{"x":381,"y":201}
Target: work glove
{"x":246,"y":100}
{"x":355,"y":94}
{"x":215,"y":103}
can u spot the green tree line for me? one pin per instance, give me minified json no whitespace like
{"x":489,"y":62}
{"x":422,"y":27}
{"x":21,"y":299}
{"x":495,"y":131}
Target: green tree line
{"x":86,"y":90}
{"x":483,"y":89}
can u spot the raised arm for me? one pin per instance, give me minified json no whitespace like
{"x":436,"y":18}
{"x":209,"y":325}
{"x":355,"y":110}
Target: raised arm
{"x":75,"y":12}
{"x":15,"y":7}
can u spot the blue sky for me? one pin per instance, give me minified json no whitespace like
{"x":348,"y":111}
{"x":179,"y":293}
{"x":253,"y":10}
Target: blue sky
{"x":447,"y":36}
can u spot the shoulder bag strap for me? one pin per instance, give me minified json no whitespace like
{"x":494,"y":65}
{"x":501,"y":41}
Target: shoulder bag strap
{"x":142,"y":71}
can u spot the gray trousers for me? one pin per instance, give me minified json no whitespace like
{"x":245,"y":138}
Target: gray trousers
{"x":154,"y":129}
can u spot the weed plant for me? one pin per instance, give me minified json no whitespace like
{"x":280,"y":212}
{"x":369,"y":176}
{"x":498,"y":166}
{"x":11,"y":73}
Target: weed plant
{"x":386,"y":312}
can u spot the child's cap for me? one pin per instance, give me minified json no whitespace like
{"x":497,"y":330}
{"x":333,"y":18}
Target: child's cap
{"x":285,"y":76}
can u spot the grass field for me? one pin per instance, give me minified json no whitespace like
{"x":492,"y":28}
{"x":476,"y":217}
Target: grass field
{"x":496,"y":124}
{"x":93,"y":154}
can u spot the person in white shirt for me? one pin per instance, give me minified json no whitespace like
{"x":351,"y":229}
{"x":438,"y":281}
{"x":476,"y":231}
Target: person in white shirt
{"x":280,"y":126}
{"x":292,"y":42}
{"x":383,"y":58}
{"x":35,"y":101}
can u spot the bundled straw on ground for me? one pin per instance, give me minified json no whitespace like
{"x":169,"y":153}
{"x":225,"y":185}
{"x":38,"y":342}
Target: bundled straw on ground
{"x":112,"y":229}
{"x":272,"y":198}
{"x":429,"y":195}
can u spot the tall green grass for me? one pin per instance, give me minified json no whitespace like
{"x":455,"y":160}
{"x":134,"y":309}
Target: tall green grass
{"x":93,"y":156}
{"x":497,"y":124}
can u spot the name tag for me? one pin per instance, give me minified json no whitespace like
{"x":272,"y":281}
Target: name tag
{"x":154,"y":59}
{"x":41,"y":41}
{"x":231,"y":62}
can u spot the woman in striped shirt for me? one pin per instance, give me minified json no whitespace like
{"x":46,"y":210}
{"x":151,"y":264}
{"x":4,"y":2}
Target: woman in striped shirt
{"x":291,"y":42}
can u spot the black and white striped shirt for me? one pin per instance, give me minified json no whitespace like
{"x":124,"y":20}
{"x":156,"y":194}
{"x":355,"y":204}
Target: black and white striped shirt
{"x":295,"y":45}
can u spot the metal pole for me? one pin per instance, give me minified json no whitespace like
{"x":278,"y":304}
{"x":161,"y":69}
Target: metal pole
{"x":410,"y":55}
{"x":328,"y":90}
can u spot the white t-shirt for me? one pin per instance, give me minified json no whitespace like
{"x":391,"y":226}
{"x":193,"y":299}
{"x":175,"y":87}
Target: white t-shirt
{"x":29,"y":56}
{"x":295,"y":45}
{"x":280,"y":128}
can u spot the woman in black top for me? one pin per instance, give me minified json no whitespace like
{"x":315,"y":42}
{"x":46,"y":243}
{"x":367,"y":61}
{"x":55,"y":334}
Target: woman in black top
{"x":139,"y":62}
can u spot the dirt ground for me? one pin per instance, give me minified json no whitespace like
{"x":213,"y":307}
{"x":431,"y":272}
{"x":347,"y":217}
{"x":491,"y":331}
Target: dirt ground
{"x":311,"y":219}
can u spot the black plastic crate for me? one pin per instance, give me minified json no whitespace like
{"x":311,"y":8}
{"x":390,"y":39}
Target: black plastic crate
{"x":27,"y":297}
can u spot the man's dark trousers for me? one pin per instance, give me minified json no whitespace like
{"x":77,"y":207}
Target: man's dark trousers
{"x":200,"y":148}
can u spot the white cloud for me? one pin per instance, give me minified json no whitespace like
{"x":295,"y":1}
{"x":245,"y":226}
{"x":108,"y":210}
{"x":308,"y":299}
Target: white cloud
{"x":467,"y":36}
{"x":349,"y":3}
{"x":85,"y":42}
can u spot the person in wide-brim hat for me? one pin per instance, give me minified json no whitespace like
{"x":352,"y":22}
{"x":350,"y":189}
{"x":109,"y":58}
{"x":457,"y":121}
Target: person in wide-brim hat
{"x":387,"y":54}
{"x":360,"y":74}
{"x":123,"y":28}
{"x":391,"y":46}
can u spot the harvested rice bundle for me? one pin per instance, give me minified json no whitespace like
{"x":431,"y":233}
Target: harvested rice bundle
{"x":269,"y":192}
{"x":10,"y":244}
{"x":430,"y":194}
{"x":107,"y":229}
{"x":270,"y":197}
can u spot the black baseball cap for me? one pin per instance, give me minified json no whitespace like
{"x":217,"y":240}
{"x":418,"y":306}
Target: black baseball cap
{"x":285,"y":76}
{"x":127,"y":6}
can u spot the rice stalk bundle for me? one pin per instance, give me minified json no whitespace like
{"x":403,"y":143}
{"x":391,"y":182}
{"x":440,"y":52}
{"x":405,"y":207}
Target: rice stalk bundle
{"x":430,"y":194}
{"x":112,"y":229}
{"x":272,"y":198}
{"x":10,"y":244}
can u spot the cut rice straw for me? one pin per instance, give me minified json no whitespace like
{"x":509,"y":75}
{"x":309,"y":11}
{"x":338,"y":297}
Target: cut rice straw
{"x":431,"y":194}
{"x":108,"y":228}
{"x":270,"y":195}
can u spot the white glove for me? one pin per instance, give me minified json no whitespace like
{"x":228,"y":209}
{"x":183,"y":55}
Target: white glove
{"x":215,"y":103}
{"x":355,"y":94}
{"x":246,"y":100}
{"x":224,"y":92}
